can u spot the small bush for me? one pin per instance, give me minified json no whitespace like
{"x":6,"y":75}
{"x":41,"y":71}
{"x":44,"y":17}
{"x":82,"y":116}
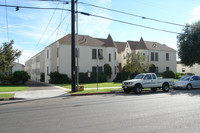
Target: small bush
{"x":20,"y":77}
{"x":4,"y":79}
{"x":58,"y":78}
{"x":83,"y":77}
{"x":179,"y":75}
{"x":152,"y":68}
{"x":158,"y":74}
{"x":107,"y":69}
{"x":168,"y":74}
{"x":123,"y":75}
{"x":42,"y":77}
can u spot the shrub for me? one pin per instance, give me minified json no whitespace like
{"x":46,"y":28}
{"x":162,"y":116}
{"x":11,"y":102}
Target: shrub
{"x":83,"y":77}
{"x":123,"y":75}
{"x":179,"y":75}
{"x":20,"y":77}
{"x":107,"y":69}
{"x":168,"y":74}
{"x":158,"y":74}
{"x":58,"y":78}
{"x":4,"y":79}
{"x":152,"y":68}
{"x":42,"y":77}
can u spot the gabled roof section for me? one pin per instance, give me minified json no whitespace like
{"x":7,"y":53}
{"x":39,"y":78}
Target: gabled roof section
{"x":120,"y":46}
{"x":84,"y":40}
{"x":141,"y":44}
{"x":157,"y":46}
{"x":133,"y":44}
{"x":109,"y":42}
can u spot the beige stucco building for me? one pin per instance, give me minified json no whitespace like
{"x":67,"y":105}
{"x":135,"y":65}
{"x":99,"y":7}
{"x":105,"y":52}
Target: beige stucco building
{"x":57,"y":56}
{"x":162,"y":56}
{"x":186,"y":69}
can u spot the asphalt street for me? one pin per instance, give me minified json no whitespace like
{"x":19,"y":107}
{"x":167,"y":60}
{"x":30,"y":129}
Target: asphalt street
{"x":173,"y":112}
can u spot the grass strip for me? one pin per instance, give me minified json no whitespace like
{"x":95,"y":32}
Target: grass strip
{"x":96,"y":91}
{"x":7,"y":95}
{"x":93,"y":85}
{"x":13,"y":88}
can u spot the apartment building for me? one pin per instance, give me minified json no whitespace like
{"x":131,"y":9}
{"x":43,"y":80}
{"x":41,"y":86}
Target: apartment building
{"x":181,"y":68}
{"x":162,"y":56}
{"x":92,"y":51}
{"x":57,"y":57}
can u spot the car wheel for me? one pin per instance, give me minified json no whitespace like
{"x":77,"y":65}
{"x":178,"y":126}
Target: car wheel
{"x":189,"y":87}
{"x":127,"y":90}
{"x":138,"y":89}
{"x":153,"y":89}
{"x":165,"y":87}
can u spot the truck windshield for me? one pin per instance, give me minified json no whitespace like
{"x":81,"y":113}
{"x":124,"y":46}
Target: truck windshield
{"x":185,"y":78}
{"x":139,"y":76}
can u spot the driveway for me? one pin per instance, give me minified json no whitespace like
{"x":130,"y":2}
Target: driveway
{"x":41,"y":90}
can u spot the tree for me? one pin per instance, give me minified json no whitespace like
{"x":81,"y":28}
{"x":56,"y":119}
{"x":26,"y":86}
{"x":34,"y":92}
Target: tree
{"x":152,"y":68}
{"x":8,"y":55}
{"x":136,"y":63}
{"x":107,"y":69}
{"x":189,"y":44}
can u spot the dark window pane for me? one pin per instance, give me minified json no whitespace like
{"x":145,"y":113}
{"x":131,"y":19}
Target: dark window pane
{"x":94,"y":69}
{"x":152,"y":56}
{"x":100,"y":53}
{"x":94,"y":54}
{"x":167,"y":56}
{"x":109,"y":57}
{"x":167,"y":68}
{"x":156,"y":56}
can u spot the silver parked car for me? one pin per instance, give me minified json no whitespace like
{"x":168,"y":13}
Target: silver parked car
{"x":187,"y":82}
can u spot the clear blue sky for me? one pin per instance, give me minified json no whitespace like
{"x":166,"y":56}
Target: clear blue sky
{"x":27,"y":26}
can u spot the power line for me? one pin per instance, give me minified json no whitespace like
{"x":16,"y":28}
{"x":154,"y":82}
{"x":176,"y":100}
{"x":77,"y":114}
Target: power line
{"x":60,"y":21}
{"x":130,"y":14}
{"x":39,"y":8}
{"x":87,"y":14}
{"x":53,"y":32}
{"x":44,"y":31}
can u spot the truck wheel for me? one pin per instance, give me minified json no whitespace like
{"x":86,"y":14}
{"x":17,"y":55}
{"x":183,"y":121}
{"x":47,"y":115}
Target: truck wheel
{"x":189,"y":87}
{"x":138,"y":89}
{"x":127,"y":90}
{"x":153,"y":89}
{"x":165,"y":87}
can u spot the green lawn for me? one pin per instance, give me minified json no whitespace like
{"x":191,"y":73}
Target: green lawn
{"x":7,"y":95}
{"x":93,"y":85}
{"x":95,"y":91}
{"x":13,"y":88}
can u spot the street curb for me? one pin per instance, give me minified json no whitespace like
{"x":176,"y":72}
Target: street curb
{"x":7,"y":99}
{"x":99,"y":93}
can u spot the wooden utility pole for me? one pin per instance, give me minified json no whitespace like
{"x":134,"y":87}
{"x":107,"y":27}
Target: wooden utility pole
{"x":73,"y":64}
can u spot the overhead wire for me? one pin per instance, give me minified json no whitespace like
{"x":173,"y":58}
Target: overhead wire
{"x":87,"y":14}
{"x":52,"y":34}
{"x":43,"y":32}
{"x":60,"y":21}
{"x":130,"y":14}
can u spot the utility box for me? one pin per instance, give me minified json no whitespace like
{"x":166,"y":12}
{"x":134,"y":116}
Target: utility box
{"x":81,"y":88}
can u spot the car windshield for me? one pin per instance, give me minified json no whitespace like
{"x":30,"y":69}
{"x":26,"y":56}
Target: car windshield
{"x":185,"y":78}
{"x":139,"y":76}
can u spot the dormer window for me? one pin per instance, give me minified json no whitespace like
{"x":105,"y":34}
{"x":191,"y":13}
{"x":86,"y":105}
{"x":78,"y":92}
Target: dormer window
{"x":154,"y":45}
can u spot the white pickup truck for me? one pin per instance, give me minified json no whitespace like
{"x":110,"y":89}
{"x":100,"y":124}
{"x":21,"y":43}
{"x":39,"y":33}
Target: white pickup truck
{"x":147,"y":80}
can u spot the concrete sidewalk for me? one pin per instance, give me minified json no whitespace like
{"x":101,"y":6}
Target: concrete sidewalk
{"x":40,"y":90}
